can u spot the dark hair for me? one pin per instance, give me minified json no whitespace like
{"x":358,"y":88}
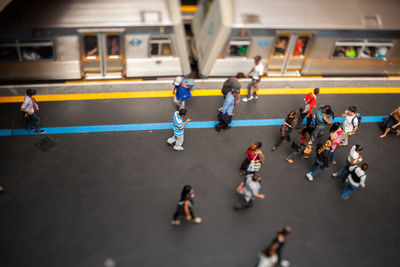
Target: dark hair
{"x":291,"y":112}
{"x":316,"y":91}
{"x":352,"y":109}
{"x":240,"y":75}
{"x":364,"y":166}
{"x":255,"y":177}
{"x":258,"y":144}
{"x":30,"y":92}
{"x":327,"y":109}
{"x":185,"y":191}
{"x":257,"y":58}
{"x":359,"y":147}
{"x":182,"y":112}
{"x":285,"y":231}
{"x":334,"y":127}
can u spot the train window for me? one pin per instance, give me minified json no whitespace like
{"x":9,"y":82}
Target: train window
{"x":347,"y":51}
{"x":281,"y":46}
{"x":301,"y":45}
{"x":36,"y":50}
{"x":90,"y":46}
{"x":8,"y":52}
{"x":160,"y":46}
{"x":238,"y":48}
{"x":376,"y":50}
{"x":113,"y":46}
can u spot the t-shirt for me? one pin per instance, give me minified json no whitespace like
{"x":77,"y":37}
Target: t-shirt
{"x":353,"y":155}
{"x":258,"y":71}
{"x":251,"y":188}
{"x":312,"y":99}
{"x":232,"y":83}
{"x":267,"y":261}
{"x":178,"y":124}
{"x":362,"y":176}
{"x":348,"y":126}
{"x":28,"y":104}
{"x":320,"y":117}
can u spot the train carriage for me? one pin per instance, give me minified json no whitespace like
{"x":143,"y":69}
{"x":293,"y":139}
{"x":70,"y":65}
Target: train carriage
{"x":92,"y":39}
{"x":308,"y":37}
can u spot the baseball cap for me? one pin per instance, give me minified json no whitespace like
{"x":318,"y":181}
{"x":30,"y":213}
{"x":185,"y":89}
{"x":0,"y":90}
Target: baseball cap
{"x":177,"y":81}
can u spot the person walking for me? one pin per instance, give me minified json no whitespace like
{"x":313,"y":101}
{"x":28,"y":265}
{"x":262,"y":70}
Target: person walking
{"x":353,"y":159}
{"x":356,"y":177}
{"x":286,"y":129}
{"x":280,"y":240}
{"x":249,"y":189}
{"x":256,"y":72}
{"x":225,"y":115}
{"x":232,"y":83}
{"x":182,"y":91}
{"x":31,"y":109}
{"x":303,"y":147}
{"x":305,"y":111}
{"x":178,"y":126}
{"x":321,"y":160}
{"x":351,"y":123}
{"x":255,"y":155}
{"x":185,"y":207}
{"x":335,"y":134}
{"x":323,"y":117}
{"x":392,"y":123}
{"x":269,"y":257}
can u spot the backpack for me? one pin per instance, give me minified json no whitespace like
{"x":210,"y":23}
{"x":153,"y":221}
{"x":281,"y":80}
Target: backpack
{"x":359,"y":118}
{"x":226,"y":89}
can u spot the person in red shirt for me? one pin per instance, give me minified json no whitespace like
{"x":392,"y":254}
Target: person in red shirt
{"x":305,"y":111}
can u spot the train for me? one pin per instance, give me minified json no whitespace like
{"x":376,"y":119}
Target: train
{"x":297,"y":38}
{"x":122,"y":39}
{"x":92,"y":39}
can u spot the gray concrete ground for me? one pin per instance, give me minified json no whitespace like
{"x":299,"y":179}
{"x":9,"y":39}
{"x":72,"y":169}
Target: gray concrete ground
{"x":112,"y":195}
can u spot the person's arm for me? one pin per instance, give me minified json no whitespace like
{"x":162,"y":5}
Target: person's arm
{"x":362,"y":180}
{"x":248,"y":74}
{"x":261,"y":157}
{"x":187,"y":210}
{"x":394,"y":126}
{"x":354,"y":130}
{"x":262,"y":196}
{"x":188,"y":120}
{"x":174,"y":91}
{"x":327,"y":121}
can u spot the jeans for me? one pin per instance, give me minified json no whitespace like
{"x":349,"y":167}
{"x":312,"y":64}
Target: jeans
{"x":344,"y":172}
{"x":347,"y":190}
{"x":281,"y":140}
{"x":333,"y":154}
{"x":317,"y":167}
{"x":249,"y":86}
{"x":178,"y":140}
{"x":30,"y":119}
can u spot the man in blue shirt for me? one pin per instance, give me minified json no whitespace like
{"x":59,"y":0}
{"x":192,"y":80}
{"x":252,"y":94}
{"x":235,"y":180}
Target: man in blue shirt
{"x":225,"y":116}
{"x":181,"y":91}
{"x":178,"y":126}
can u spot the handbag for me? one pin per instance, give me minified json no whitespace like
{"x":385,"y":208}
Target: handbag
{"x":255,"y":165}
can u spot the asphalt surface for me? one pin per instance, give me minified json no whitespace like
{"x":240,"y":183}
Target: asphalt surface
{"x":112,"y":195}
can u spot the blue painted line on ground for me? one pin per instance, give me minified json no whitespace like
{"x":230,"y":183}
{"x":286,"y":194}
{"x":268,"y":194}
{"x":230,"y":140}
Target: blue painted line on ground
{"x":160,"y":126}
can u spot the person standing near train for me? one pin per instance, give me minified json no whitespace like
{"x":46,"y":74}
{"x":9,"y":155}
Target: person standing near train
{"x":181,"y":91}
{"x":185,"y":207}
{"x":31,"y":109}
{"x":256,"y":72}
{"x":350,"y":125}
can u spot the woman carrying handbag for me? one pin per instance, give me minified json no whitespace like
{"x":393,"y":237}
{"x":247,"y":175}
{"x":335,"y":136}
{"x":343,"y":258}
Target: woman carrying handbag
{"x":254,"y":160}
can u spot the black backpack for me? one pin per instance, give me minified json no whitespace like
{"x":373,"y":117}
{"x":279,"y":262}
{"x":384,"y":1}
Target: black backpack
{"x":226,"y":89}
{"x":358,"y":117}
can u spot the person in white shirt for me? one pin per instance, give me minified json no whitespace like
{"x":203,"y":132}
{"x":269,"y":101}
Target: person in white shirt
{"x":356,"y":178}
{"x":350,"y":124}
{"x":256,"y":72}
{"x":269,"y":257}
{"x":354,"y":158}
{"x":31,"y":109}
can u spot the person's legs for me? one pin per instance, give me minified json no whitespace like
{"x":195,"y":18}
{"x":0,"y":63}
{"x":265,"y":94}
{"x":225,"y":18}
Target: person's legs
{"x":28,"y":124}
{"x":319,"y":130}
{"x":332,"y":156}
{"x":177,"y":102}
{"x":347,"y":190}
{"x":243,"y":204}
{"x":179,"y":142}
{"x":275,"y":147}
{"x":343,"y":171}
{"x":318,"y":170}
{"x":171,"y":140}
{"x":255,"y":88}
{"x":300,"y":119}
{"x":182,"y":105}
{"x":37,"y":122}
{"x":249,"y":86}
{"x":293,"y":154}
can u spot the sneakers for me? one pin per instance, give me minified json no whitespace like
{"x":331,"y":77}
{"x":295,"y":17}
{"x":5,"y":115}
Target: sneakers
{"x":309,"y":176}
{"x":255,"y":97}
{"x":335,"y":174}
{"x":197,"y":220}
{"x":178,"y":149}
{"x":177,"y":222}
{"x":246,"y":99}
{"x":285,"y":263}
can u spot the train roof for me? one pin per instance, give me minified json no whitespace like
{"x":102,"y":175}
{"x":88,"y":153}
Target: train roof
{"x":86,"y":13}
{"x":317,"y":14}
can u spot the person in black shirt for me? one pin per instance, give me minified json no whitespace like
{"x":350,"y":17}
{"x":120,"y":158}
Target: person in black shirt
{"x":185,"y":207}
{"x":286,"y":129}
{"x":321,"y":159}
{"x":280,"y":239}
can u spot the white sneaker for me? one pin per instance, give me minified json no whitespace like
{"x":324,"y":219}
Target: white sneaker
{"x":255,"y":97}
{"x":247,"y":99}
{"x":178,"y":149}
{"x":309,"y":176}
{"x":285,"y":263}
{"x":220,"y":109}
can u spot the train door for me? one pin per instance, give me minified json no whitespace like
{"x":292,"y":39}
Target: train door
{"x":288,"y":56}
{"x":102,"y":55}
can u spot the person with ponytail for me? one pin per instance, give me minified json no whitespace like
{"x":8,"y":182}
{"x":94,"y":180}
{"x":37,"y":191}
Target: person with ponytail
{"x":321,"y":159}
